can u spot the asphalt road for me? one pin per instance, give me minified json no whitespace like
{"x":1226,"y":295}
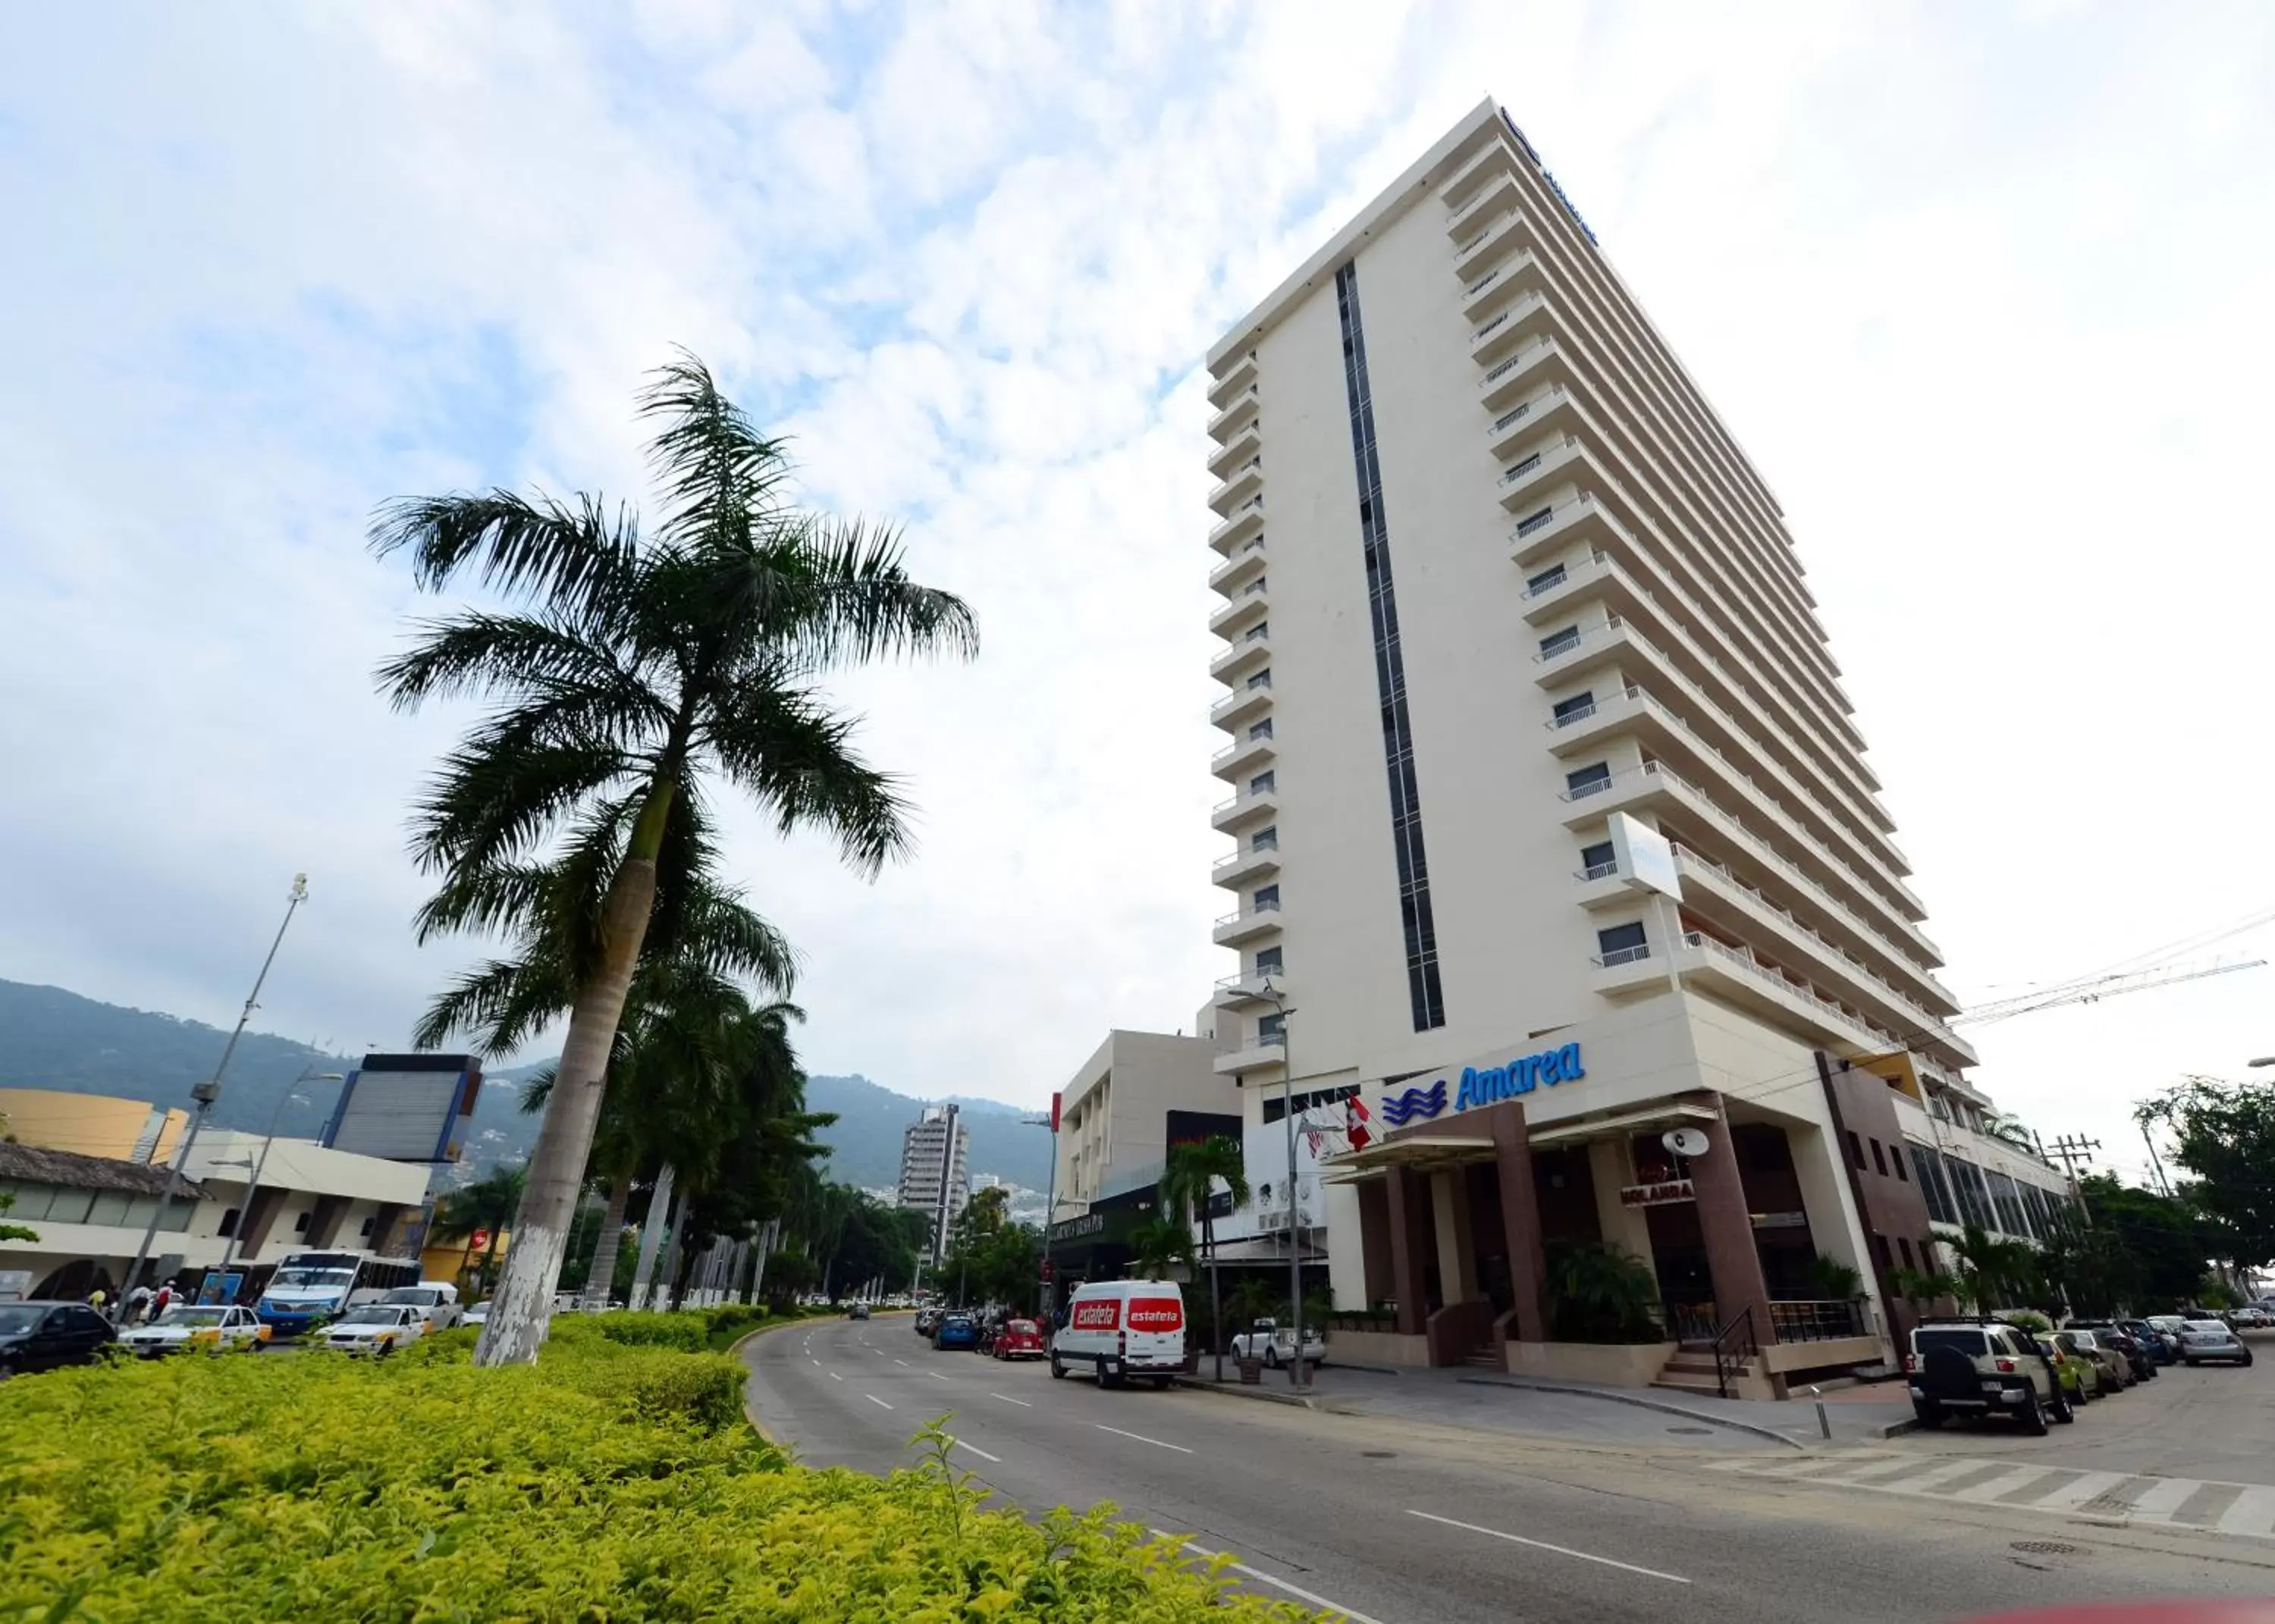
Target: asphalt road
{"x":1413,"y":1522}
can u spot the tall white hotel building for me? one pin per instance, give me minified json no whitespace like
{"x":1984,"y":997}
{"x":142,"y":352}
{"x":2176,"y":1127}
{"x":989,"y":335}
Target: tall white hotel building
{"x":1543,"y":786}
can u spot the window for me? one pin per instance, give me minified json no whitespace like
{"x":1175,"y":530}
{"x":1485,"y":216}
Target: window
{"x":1268,"y":961}
{"x":1587,"y":780}
{"x":1598,"y":860}
{"x":1579,"y":707}
{"x":1880,"y":1161}
{"x":1272,"y":1028}
{"x":1527,"y":526}
{"x":1262,"y":730}
{"x":1557,"y":642}
{"x":1262,"y":679}
{"x":1262,"y":630}
{"x":1267,"y":898}
{"x":1425,"y":992}
{"x":1903,"y":1246}
{"x":1263,"y":783}
{"x":1896,"y":1162}
{"x":1855,"y":1151}
{"x":1552,"y":575}
{"x":109,"y":1207}
{"x":368,"y":1223}
{"x":1622,"y":944}
{"x":300,"y":1224}
{"x":70,"y":1207}
{"x":228,"y":1225}
{"x":1935,"y":1188}
{"x":1266,"y":838}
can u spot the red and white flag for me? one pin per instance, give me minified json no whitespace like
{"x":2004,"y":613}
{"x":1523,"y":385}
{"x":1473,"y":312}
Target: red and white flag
{"x":1355,"y":1117}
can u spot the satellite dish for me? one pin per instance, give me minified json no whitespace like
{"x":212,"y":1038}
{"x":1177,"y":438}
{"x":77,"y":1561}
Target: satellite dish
{"x":1684,"y":1141}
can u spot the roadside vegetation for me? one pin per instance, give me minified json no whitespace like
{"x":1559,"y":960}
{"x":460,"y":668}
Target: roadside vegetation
{"x":619,"y":1479}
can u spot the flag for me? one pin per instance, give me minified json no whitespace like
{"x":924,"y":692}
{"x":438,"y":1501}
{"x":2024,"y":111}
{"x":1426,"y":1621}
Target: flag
{"x":1356,"y":1118}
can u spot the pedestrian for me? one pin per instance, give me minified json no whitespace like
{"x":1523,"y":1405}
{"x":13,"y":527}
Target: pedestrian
{"x":138,"y":1304}
{"x":94,"y":1299}
{"x":164,"y":1295}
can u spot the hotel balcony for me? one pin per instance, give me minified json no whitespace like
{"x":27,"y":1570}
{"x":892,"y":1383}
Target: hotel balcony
{"x":1245,"y":608}
{"x":1241,"y":410}
{"x":1493,"y":186}
{"x":1237,"y":570}
{"x":1546,"y":463}
{"x":1249,"y":654}
{"x":1243,"y":705}
{"x":1236,"y":761}
{"x":1509,"y":328}
{"x":1240,"y":375}
{"x":1246,"y":480}
{"x":1844,"y":909}
{"x":1526,"y":370}
{"x":1246,"y":443}
{"x":1246,"y":523}
{"x":1601,"y":887}
{"x":1576,"y":520}
{"x":1246,"y":925}
{"x":1515,"y":272}
{"x":1244,"y":989}
{"x":1545,"y":412}
{"x":1246,"y":865}
{"x":1250,"y":1053}
{"x":1248,"y":808}
{"x":1735,"y":976}
{"x":1496,"y":233}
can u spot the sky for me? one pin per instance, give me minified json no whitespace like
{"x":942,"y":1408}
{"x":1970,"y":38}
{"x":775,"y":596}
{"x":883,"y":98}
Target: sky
{"x":1980,"y":288}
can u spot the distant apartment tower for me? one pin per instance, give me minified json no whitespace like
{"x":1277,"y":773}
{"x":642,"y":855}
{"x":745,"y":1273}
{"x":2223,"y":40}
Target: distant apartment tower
{"x":933,"y":1180}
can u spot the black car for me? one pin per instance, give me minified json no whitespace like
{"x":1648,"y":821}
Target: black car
{"x":859,"y":1310}
{"x":2111,"y":1334}
{"x":40,"y":1336}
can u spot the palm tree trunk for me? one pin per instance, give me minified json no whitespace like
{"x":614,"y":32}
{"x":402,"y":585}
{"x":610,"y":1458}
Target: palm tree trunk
{"x":658,"y":1218}
{"x":522,"y":1309}
{"x":1216,"y":1294}
{"x":602,"y":1274}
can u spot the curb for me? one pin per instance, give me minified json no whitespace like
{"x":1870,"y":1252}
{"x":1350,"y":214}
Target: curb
{"x":734,"y":1350}
{"x":1640,"y":1404}
{"x":1268,"y":1396}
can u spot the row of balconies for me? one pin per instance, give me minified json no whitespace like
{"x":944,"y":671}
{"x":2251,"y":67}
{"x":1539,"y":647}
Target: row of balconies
{"x":1734,"y":975}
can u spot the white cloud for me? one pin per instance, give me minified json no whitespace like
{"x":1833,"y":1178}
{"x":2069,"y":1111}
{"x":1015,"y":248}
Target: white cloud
{"x":1980,"y":295}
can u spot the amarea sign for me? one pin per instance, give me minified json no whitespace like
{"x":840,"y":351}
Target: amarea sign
{"x":1485,"y":1086}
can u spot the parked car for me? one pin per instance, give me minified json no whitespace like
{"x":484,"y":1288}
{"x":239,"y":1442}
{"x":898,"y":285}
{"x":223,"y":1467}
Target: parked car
{"x":2078,"y":1378}
{"x":2163,"y":1346}
{"x":955,"y":1331}
{"x":216,"y":1328}
{"x":2204,"y":1339}
{"x":2092,"y":1379}
{"x":927,"y":1321}
{"x":1276,"y":1344}
{"x":859,"y":1310}
{"x":2116,"y":1369}
{"x":1020,"y":1339}
{"x":1962,"y":1368}
{"x":39,"y":1335}
{"x":1123,"y":1328}
{"x":477,"y":1316}
{"x":438,"y":1299}
{"x":376,"y":1328}
{"x":2250,"y":1317}
{"x":2109,"y":1333}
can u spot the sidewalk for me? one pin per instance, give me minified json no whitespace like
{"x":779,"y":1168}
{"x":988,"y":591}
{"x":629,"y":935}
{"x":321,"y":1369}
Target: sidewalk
{"x":1585,"y":1412}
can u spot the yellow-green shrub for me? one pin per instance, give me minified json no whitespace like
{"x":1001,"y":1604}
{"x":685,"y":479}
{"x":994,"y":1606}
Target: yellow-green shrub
{"x":608,"y":1481}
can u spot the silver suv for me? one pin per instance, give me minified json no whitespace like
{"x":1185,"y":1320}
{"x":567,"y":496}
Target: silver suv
{"x":1967,"y":1368}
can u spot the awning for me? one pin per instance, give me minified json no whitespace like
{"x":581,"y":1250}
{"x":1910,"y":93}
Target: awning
{"x":1261,"y":1249}
{"x":1418,"y":1154}
{"x":1674,"y":1113}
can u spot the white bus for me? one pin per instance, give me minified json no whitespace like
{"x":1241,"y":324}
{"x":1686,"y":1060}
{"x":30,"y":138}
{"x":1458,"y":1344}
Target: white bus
{"x":309,"y":1287}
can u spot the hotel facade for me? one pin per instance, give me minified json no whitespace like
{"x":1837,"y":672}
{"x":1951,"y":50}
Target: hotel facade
{"x":1554,"y":842}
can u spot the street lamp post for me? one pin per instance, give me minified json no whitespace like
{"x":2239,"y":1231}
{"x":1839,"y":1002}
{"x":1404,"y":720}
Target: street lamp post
{"x":205,"y":1093}
{"x":252,"y":1186}
{"x":1050,"y":1202}
{"x":1296,"y":1374}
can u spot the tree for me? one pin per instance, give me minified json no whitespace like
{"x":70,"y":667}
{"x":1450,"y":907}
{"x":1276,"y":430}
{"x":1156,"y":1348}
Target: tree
{"x":1991,"y":1269}
{"x":1188,"y":1185}
{"x":2224,"y":1133}
{"x":486,"y":1207}
{"x":1596,"y":1291}
{"x":1158,"y":1243}
{"x":13,"y":1232}
{"x":1921,"y":1286}
{"x":634,"y":675}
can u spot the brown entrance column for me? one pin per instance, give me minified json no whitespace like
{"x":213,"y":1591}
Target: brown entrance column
{"x":1727,"y":1228}
{"x":1520,"y":1217}
{"x":1408,"y":1242}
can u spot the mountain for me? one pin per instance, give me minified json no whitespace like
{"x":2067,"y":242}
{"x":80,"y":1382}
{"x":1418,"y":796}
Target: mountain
{"x":53,"y":1039}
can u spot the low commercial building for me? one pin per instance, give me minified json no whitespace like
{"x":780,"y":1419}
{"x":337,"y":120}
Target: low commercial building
{"x":89,"y":1214}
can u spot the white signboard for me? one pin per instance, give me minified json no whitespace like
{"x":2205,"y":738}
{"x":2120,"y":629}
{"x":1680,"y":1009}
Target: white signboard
{"x":405,"y":1107}
{"x":1646,"y":859}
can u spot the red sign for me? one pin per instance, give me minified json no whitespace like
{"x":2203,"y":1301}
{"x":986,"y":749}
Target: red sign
{"x":477,"y":1241}
{"x":1054,"y":1112}
{"x":1102,"y":1315}
{"x":1664,"y":1193}
{"x":1157,"y":1315}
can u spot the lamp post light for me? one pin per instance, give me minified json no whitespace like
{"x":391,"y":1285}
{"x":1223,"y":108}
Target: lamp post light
{"x":1296,"y":1373}
{"x":2264,"y":1060}
{"x":205,"y":1093}
{"x":1050,"y":1202}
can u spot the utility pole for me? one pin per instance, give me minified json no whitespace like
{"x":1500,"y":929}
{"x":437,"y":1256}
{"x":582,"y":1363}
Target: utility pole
{"x":205,"y":1093}
{"x":2163,"y":1183}
{"x":1050,"y":1200}
{"x":1296,"y":1374}
{"x":2074,"y":1151}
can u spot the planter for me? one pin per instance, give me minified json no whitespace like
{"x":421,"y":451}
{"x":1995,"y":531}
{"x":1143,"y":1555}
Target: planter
{"x":1610,"y":1365}
{"x":1378,"y":1347}
{"x":1251,"y":1373}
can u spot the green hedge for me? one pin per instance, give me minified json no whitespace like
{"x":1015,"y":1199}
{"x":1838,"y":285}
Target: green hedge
{"x":610,"y":1481}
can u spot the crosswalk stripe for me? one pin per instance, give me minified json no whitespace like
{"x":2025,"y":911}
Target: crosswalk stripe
{"x":2074,"y":1493}
{"x":2003,"y":1482}
{"x":2252,"y":1513}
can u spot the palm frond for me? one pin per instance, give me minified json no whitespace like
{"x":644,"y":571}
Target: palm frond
{"x":477,"y":653}
{"x":505,"y":789}
{"x":551,"y":551}
{"x":714,"y":468}
{"x":795,"y":759}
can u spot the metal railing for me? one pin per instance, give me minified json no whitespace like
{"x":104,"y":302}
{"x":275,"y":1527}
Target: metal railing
{"x":1526,"y":528}
{"x":1744,"y":959}
{"x":1548,"y":582}
{"x":1616,"y":956}
{"x":1578,"y":713}
{"x":1512,"y":475}
{"x":1816,"y":1320}
{"x":1564,"y":643}
{"x":1500,"y":321}
{"x":1501,"y":369}
{"x":1599,"y":870}
{"x":1482,"y":283}
{"x":1507,"y":417}
{"x":1255,"y":912}
{"x":1734,"y":1345}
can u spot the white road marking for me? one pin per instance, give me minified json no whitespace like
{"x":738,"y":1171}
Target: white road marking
{"x":810,"y":1359}
{"x":903,"y":1364}
{"x":1141,"y":1437}
{"x":1320,"y":1602}
{"x":878,"y":1403}
{"x":976,"y":1450}
{"x":2253,"y":1512}
{"x":935,"y":1375}
{"x":834,"y":1376}
{"x":1541,"y":1545}
{"x":1021,"y":1403}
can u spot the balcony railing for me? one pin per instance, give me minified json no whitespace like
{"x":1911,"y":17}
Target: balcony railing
{"x":1246,"y":978}
{"x":1255,"y":912}
{"x":1549,"y":581}
{"x":1817,"y":1321}
{"x":1577,"y":714}
{"x":1512,"y":475}
{"x":1499,"y":322}
{"x":1482,"y":283}
{"x":1508,"y":417}
{"x":1621,"y":955}
{"x":1538,"y":521}
{"x":1599,"y":870}
{"x":1564,"y":642}
{"x":1501,"y":369}
{"x":1866,"y":1033}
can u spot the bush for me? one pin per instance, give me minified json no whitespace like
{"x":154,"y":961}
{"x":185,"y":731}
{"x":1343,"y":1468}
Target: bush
{"x":1598,"y":1292}
{"x":614,"y":1479}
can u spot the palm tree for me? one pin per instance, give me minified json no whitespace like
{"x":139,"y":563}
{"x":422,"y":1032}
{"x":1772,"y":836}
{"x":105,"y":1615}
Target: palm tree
{"x":1990,"y":1268}
{"x":634,"y":675}
{"x":487,"y":1205}
{"x":1188,"y":1185}
{"x":1157,"y":1244}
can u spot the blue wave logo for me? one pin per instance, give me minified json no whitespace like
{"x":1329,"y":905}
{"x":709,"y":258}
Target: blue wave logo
{"x":1414,"y":1104}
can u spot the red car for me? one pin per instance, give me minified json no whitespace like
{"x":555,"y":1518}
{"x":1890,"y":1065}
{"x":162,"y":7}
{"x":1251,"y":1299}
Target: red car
{"x":1020,"y":1339}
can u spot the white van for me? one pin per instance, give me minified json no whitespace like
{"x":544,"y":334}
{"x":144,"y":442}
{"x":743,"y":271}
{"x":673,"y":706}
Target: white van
{"x":1123,"y":1328}
{"x":436,"y":1301}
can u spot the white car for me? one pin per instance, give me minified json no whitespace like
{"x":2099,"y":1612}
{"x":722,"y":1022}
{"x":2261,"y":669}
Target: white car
{"x":1276,"y":1344}
{"x":186,"y":1325}
{"x":375,"y":1328}
{"x":477,"y":1316}
{"x":437,"y":1299}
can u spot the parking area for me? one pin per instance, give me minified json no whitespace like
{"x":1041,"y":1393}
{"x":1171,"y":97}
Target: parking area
{"x":2212,"y":1421}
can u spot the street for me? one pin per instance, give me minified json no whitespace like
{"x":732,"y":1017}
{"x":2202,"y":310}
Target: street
{"x":1396,"y":1520}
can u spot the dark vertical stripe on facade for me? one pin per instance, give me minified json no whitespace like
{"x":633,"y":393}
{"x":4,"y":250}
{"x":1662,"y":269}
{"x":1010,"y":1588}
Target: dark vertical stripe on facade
{"x":1390,"y":675}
